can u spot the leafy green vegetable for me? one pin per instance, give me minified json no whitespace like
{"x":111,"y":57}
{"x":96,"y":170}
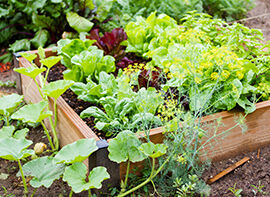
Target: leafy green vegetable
{"x":75,"y":176}
{"x":8,"y":131}
{"x":125,"y":147}
{"x":80,"y":24}
{"x":40,"y":39}
{"x":9,"y":103}
{"x":15,"y":149}
{"x":76,"y":152}
{"x":57,"y":88}
{"x":44,"y":171}
{"x":31,"y":71}
{"x":83,"y":60}
{"x":153,"y":150}
{"x":32,"y":113}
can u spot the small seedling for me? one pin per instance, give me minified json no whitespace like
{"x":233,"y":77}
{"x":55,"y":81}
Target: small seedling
{"x":258,"y":189}
{"x":236,"y":192}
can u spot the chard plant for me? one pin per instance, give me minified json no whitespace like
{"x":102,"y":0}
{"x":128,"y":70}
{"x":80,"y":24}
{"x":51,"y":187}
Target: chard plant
{"x":53,"y":90}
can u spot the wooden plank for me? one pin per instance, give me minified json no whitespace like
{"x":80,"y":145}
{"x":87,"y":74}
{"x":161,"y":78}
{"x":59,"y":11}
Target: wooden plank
{"x":228,"y":170}
{"x":70,"y":126}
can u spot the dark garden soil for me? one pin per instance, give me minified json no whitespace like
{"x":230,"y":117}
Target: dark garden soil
{"x":262,"y":9}
{"x":11,"y":185}
{"x":254,"y":172}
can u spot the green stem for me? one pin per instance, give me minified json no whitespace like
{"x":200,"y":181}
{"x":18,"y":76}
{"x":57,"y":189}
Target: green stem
{"x":47,"y":73}
{"x":34,"y":192}
{"x":48,"y":135}
{"x":89,"y":193}
{"x":70,"y":193}
{"x":55,"y":138}
{"x":152,"y":175}
{"x":126,"y":178}
{"x":7,"y":120}
{"x":39,"y":89}
{"x":55,"y":113}
{"x":23,"y":178}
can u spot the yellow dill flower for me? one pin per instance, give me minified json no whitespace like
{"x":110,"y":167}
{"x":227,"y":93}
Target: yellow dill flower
{"x":239,"y":75}
{"x":197,"y":80}
{"x":225,"y":74}
{"x":214,"y":76}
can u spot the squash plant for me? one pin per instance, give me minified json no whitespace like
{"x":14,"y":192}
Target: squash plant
{"x":54,"y":90}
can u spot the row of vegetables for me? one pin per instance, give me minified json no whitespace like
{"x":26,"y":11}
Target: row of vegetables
{"x":154,"y":72}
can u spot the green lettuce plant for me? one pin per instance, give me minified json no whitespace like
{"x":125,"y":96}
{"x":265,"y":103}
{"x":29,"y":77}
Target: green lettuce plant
{"x":84,"y":60}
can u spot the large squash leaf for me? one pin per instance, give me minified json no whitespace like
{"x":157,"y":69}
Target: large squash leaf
{"x":75,"y":176}
{"x":44,"y":171}
{"x":76,"y":152}
{"x":14,"y":149}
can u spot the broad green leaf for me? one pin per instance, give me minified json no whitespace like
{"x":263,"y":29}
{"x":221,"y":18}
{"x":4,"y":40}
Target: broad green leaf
{"x":3,"y":12}
{"x":75,"y":176}
{"x":125,"y":147}
{"x":148,"y":100}
{"x":32,"y":113}
{"x":29,"y":56}
{"x":42,"y":21}
{"x":41,"y":53}
{"x":76,"y":74}
{"x":31,"y":71}
{"x":94,"y":112}
{"x":9,"y":103}
{"x":51,"y":61}
{"x":89,"y":4}
{"x":57,"y":88}
{"x":153,"y":150}
{"x":40,"y":39}
{"x":44,"y":171}
{"x":20,"y":45}
{"x":6,"y":131}
{"x":80,"y":24}
{"x":21,"y":134}
{"x":76,"y":152}
{"x":14,"y":149}
{"x":103,"y":8}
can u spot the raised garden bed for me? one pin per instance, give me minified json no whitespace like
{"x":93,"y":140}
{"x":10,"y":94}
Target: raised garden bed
{"x":227,"y":144}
